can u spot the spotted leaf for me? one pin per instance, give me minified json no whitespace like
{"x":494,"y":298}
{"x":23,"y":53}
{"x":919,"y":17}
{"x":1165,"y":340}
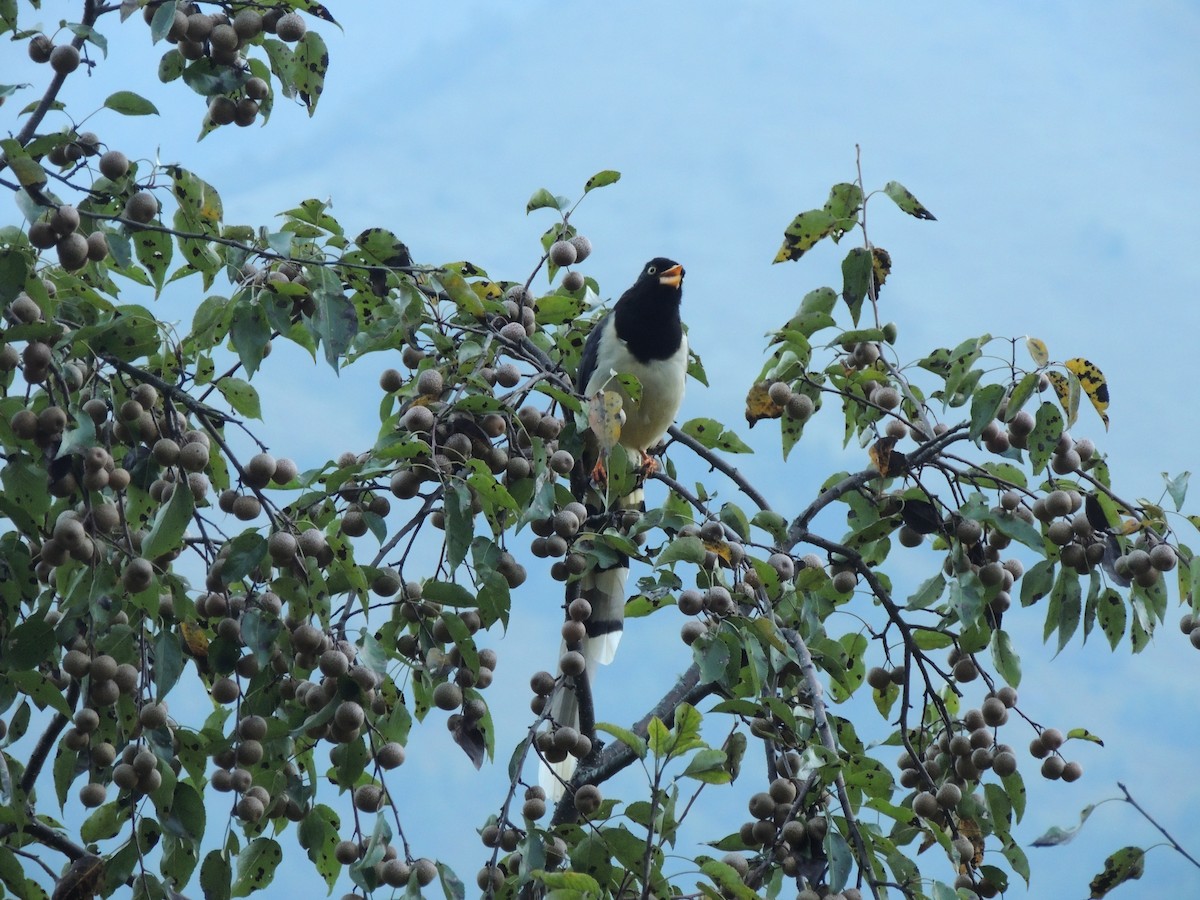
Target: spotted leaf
{"x":1091,"y":379}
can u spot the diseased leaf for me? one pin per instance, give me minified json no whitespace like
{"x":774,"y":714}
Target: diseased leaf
{"x":1091,"y":379}
{"x":256,"y":865}
{"x":907,"y":202}
{"x":601,"y":179}
{"x":1127,"y":864}
{"x":1038,"y":351}
{"x":1047,"y":429}
{"x":241,"y":395}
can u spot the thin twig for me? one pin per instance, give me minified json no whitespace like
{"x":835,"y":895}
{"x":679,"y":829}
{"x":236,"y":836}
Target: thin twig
{"x":1174,"y":843}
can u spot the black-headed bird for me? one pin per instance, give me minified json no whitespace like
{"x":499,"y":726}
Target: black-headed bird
{"x":643,"y":336}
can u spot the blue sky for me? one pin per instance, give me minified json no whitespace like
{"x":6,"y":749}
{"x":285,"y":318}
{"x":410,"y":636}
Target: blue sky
{"x":1055,"y":142}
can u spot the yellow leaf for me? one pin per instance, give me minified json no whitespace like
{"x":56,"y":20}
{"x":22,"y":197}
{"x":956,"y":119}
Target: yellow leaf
{"x":1067,"y":389}
{"x":195,"y":638}
{"x":1037,"y":350}
{"x":1093,"y":383}
{"x":605,"y":418}
{"x":881,"y":266}
{"x":759,"y":404}
{"x":886,"y":459}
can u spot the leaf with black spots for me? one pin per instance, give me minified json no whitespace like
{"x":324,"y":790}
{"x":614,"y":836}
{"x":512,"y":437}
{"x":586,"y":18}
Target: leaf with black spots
{"x":887,"y":460}
{"x":907,"y":202}
{"x":602,"y":179}
{"x":1127,"y":864}
{"x":310,"y":63}
{"x":256,"y":865}
{"x":759,"y":404}
{"x":881,"y":267}
{"x":804,"y":232}
{"x":1047,"y":429}
{"x":1092,"y":380}
{"x":241,"y":395}
{"x":713,"y":435}
{"x":153,"y":250}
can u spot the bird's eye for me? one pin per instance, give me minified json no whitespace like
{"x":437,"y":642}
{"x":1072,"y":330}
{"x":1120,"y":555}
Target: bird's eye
{"x":651,"y":270}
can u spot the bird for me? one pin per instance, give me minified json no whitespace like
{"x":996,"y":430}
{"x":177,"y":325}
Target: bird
{"x":642,"y":336}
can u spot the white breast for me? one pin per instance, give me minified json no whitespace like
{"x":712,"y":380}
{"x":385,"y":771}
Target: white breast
{"x":662,"y":388}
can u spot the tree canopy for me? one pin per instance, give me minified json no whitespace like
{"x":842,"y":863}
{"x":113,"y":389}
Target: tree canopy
{"x":189,"y":613}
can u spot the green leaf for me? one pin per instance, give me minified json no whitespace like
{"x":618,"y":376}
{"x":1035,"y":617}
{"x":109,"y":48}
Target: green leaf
{"x":688,"y":549}
{"x":448,"y":594}
{"x":543,"y":199}
{"x":713,"y":435}
{"x":708,"y":766}
{"x":335,"y":321}
{"x":249,"y":332}
{"x":1047,"y":429}
{"x":459,"y":524}
{"x":29,"y":643}
{"x":1112,"y":616}
{"x":241,"y":395}
{"x":985,"y":403}
{"x":625,"y":736}
{"x":310,"y":64}
{"x":39,"y":689}
{"x":256,"y":866}
{"x":246,"y":552}
{"x":127,"y":103}
{"x":105,"y":822}
{"x":907,"y":202}
{"x":131,"y":333}
{"x":804,"y":232}
{"x":170,"y":523}
{"x":601,"y":179}
{"x":1005,"y":658}
{"x":154,"y":250}
{"x":1126,"y":864}
{"x":1177,"y":487}
{"x":1021,"y":393}
{"x":856,"y":279}
{"x":168,"y":662}
{"x":319,"y":837}
{"x":170,"y":66}
{"x":1037,"y":582}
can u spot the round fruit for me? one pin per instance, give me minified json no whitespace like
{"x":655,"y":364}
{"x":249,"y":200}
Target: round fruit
{"x":583,"y":247}
{"x":563,"y":253}
{"x":245,"y":112}
{"x":141,"y":207}
{"x":887,"y":397}
{"x":390,"y":755}
{"x":64,"y":58}
{"x":290,"y":27}
{"x":256,"y":88}
{"x":97,"y":246}
{"x":65,"y":219}
{"x":40,"y":48}
{"x":447,"y":696}
{"x":430,"y":383}
{"x":588,"y":799}
{"x":72,"y":251}
{"x":800,"y":407}
{"x":92,"y":795}
{"x":572,"y":281}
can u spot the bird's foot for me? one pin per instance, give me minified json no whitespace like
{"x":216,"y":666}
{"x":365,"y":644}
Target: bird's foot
{"x":599,"y":474}
{"x":649,"y":465}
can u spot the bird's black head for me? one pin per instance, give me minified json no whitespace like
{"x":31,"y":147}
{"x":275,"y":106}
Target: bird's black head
{"x":662,"y":271}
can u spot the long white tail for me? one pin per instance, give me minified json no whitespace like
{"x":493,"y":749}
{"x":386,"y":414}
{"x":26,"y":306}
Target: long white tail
{"x":605,"y":591}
